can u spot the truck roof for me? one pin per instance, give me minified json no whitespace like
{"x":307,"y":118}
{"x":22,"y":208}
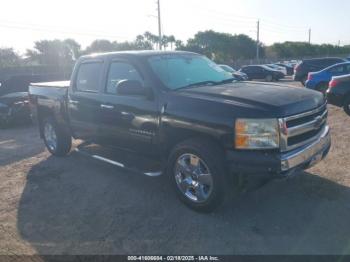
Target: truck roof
{"x":143,"y":53}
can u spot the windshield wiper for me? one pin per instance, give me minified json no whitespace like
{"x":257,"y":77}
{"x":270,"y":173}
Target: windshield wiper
{"x":226,"y":81}
{"x":203,"y":83}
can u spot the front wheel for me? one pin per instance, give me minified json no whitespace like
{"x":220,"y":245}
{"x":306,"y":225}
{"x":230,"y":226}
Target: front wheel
{"x":56,"y":139}
{"x":303,"y":80}
{"x":197,"y":173}
{"x":269,"y":78}
{"x":346,"y":105}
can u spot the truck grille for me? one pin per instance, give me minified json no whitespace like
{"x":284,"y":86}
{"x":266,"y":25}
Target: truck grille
{"x":302,"y":129}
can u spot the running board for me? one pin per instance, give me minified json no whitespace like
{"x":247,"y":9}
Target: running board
{"x":118,"y":164}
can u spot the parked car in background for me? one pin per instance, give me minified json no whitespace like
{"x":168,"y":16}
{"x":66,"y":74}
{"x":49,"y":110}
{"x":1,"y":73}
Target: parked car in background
{"x":262,"y":72}
{"x":338,"y":92}
{"x":240,"y":76}
{"x":14,"y":108}
{"x":319,"y":80}
{"x":289,"y":68}
{"x":282,"y":69}
{"x":306,"y":66}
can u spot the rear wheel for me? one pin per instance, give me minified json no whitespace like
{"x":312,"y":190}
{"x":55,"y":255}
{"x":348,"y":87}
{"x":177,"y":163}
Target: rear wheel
{"x":197,"y":173}
{"x":56,"y":139}
{"x":269,"y":78}
{"x":346,"y":105}
{"x":303,"y":80}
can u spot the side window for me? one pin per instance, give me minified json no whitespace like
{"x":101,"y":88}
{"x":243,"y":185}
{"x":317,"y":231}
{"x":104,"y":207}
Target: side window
{"x":88,"y":77}
{"x":121,"y":71}
{"x":259,"y":69}
{"x":245,"y":69}
{"x":336,"y":70}
{"x":329,"y":62}
{"x":337,"y":61}
{"x":251,"y":69}
{"x":347,"y":69}
{"x":256,"y":69}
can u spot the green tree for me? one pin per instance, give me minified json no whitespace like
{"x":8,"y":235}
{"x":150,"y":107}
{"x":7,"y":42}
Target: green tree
{"x":152,"y":38}
{"x":100,"y":46}
{"x":54,"y":52}
{"x":9,"y":58}
{"x":304,"y":49}
{"x":222,"y":47}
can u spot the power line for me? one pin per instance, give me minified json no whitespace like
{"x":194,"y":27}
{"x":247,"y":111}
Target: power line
{"x":27,"y":27}
{"x":277,"y":24}
{"x":211,"y":11}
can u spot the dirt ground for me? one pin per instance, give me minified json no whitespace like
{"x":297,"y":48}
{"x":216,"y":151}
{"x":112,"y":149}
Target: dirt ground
{"x":73,"y":205}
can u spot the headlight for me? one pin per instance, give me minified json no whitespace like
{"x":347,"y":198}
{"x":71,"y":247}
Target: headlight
{"x":256,"y":133}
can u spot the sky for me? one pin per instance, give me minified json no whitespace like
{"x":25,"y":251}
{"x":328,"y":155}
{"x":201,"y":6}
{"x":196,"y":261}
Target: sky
{"x":24,"y":22}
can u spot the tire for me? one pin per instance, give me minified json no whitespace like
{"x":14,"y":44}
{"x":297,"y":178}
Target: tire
{"x":205,"y":160}
{"x":322,"y":87}
{"x":346,"y":105}
{"x":269,"y":78}
{"x":57,"y":140}
{"x":303,"y":80}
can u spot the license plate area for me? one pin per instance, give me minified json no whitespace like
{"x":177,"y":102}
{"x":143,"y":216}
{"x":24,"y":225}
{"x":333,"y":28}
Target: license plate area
{"x":315,"y":159}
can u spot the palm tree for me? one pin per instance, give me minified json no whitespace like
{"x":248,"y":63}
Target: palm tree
{"x":151,"y":38}
{"x":171,"y":40}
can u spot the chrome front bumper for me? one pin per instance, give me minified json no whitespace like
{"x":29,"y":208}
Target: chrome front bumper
{"x":309,"y":154}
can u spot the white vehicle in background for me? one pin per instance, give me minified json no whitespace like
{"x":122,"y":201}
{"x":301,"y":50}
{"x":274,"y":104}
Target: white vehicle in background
{"x":281,"y":69}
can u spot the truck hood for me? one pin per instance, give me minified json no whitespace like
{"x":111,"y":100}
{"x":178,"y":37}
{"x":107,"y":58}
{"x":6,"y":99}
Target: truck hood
{"x":278,"y":100}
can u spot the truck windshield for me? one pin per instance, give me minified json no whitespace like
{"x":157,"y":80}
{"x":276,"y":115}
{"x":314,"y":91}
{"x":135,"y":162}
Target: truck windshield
{"x":179,"y":71}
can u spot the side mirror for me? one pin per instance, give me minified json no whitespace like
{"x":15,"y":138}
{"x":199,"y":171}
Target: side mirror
{"x":131,"y":88}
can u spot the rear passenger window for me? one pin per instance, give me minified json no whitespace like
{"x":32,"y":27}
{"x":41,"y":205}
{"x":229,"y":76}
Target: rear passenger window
{"x":337,"y":70}
{"x":88,"y":77}
{"x":119,"y":71}
{"x":256,"y":69}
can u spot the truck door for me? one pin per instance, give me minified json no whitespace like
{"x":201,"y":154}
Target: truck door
{"x":83,"y":100}
{"x":129,"y":121}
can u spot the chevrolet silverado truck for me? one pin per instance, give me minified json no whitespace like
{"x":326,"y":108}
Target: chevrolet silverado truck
{"x":184,"y":110}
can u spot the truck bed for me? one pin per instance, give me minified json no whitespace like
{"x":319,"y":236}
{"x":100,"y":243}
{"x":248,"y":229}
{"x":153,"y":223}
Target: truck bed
{"x":57,"y":84}
{"x":49,"y":95}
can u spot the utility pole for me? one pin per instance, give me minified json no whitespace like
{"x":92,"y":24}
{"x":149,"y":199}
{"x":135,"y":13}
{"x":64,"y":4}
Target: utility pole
{"x":258,"y":41}
{"x":309,"y":35}
{"x":159,"y":26}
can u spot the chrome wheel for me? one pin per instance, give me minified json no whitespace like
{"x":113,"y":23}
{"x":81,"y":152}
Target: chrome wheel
{"x":193,"y":178}
{"x":50,"y":136}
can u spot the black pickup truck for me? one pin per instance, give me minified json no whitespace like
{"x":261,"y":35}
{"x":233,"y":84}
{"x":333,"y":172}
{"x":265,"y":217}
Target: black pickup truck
{"x":184,"y":110}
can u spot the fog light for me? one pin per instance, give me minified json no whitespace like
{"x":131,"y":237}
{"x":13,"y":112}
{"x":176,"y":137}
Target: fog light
{"x":284,"y":165}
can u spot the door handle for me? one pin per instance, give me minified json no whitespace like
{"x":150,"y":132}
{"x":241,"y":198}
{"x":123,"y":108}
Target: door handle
{"x":127,"y":116}
{"x":106,"y":106}
{"x":74,"y":102}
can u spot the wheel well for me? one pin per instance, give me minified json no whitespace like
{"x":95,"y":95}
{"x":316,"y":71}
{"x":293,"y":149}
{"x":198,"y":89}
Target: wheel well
{"x":175,"y":140}
{"x":322,"y":83}
{"x":346,"y":97}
